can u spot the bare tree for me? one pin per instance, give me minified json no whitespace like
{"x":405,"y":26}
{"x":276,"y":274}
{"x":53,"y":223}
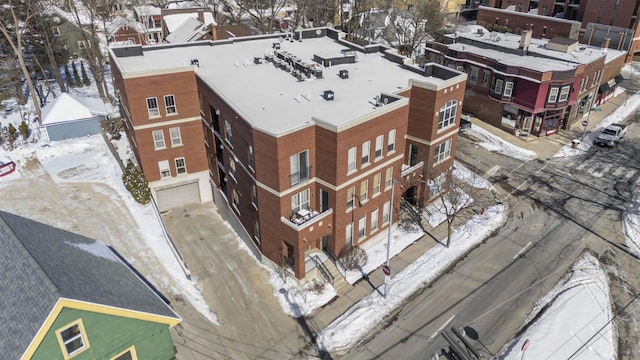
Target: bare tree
{"x":353,"y":257}
{"x":411,"y":27}
{"x":261,"y":13}
{"x":315,"y":12}
{"x":14,"y":17}
{"x":354,"y":25}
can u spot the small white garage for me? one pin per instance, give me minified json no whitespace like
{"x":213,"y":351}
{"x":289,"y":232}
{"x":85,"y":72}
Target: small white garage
{"x":175,"y":196}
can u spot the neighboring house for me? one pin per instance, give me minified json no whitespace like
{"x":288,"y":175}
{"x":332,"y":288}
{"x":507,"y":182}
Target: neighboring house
{"x":222,"y":32}
{"x":124,"y":31}
{"x":151,"y":19}
{"x":65,"y":296}
{"x":304,"y":157}
{"x":173,"y":18}
{"x":69,"y":117}
{"x":75,"y":42}
{"x":190,"y":30}
{"x":523,"y":85}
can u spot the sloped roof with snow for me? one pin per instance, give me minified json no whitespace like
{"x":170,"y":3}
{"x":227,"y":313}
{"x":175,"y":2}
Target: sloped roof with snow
{"x":190,"y":30}
{"x":66,"y":108}
{"x":173,"y":21}
{"x":118,"y":22}
{"x":147,"y":10}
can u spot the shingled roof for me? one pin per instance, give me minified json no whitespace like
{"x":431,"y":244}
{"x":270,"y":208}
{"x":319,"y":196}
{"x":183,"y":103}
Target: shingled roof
{"x":41,"y":264}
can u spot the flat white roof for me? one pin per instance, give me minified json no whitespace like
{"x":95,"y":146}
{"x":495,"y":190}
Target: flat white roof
{"x":273,"y":100}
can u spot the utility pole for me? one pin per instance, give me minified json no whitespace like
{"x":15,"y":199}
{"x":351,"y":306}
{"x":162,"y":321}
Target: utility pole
{"x":387,"y":278}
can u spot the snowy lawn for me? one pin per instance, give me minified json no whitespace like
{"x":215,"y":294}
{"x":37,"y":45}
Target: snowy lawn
{"x":573,"y":319}
{"x":497,"y":144}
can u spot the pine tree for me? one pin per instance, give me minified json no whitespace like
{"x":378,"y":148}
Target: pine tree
{"x":75,"y":75}
{"x":67,"y":74}
{"x":24,"y":130}
{"x":85,"y":78}
{"x":12,"y":133}
{"x":136,"y":183}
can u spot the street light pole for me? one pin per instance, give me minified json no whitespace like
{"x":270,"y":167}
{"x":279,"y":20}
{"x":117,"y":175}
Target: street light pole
{"x":387,"y":277}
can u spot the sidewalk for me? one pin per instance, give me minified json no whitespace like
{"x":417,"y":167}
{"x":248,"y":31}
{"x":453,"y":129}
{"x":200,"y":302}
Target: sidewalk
{"x":548,"y":146}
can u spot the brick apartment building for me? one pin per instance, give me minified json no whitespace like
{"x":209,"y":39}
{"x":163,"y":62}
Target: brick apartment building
{"x":302,"y":139}
{"x":528,"y":86}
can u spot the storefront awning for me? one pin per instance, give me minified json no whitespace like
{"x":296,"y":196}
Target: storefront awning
{"x":606,"y":87}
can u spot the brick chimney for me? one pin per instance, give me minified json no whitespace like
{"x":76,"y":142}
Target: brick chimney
{"x":606,"y":42}
{"x":201,"y":16}
{"x":214,"y":31}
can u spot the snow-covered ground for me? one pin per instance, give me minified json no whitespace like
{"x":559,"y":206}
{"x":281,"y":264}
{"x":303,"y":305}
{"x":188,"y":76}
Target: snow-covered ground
{"x":572,"y":320}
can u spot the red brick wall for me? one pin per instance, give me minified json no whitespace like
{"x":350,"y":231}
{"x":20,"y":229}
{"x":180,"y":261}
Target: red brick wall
{"x":517,"y":22}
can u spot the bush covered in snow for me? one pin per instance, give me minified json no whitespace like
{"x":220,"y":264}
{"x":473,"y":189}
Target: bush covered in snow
{"x":137,"y":185}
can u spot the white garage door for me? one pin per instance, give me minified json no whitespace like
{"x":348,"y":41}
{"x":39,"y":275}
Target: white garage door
{"x":178,"y":196}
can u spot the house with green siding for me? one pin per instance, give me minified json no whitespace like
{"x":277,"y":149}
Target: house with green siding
{"x":65,"y":296}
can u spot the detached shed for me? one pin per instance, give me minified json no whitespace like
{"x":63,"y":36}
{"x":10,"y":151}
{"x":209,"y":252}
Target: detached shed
{"x":69,"y":117}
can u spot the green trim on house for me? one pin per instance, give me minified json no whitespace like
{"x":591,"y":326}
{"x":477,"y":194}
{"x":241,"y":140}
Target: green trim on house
{"x":109,"y":336}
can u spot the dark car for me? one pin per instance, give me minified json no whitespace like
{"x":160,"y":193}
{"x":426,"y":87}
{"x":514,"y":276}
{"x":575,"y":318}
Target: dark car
{"x":465,"y":123}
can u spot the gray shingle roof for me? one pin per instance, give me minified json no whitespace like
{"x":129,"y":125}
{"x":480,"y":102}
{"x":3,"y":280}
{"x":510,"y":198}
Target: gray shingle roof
{"x":40,"y":264}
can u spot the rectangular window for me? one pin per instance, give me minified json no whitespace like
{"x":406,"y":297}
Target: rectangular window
{"x":254,"y":196}
{"x":586,"y":83}
{"x":442,"y":152}
{"x":385,"y":212}
{"x":236,"y":201}
{"x":152,"y":106}
{"x":256,"y":231}
{"x":391,"y":141}
{"x":232,"y":169}
{"x":176,"y":139}
{"x":498,"y":86}
{"x":350,"y":197}
{"x":181,"y":167}
{"x":553,"y":95}
{"x":364,"y":190}
{"x":227,"y":131}
{"x":508,"y":88}
{"x":366,"y":152}
{"x":376,"y":183}
{"x":485,"y":78}
{"x":388,"y":178}
{"x":595,"y":78}
{"x":447,"y":115}
{"x":564,"y":94}
{"x":374,"y":220}
{"x":170,"y":104}
{"x":299,"y":164}
{"x":82,"y":45}
{"x":362,"y":227}
{"x":379,"y":142}
{"x":300,"y":201}
{"x":164,"y":168}
{"x":348,"y":234}
{"x":158,"y":139}
{"x":72,"y":338}
{"x":473,"y":76}
{"x":56,"y":31}
{"x":251,"y":159}
{"x":351,"y":163}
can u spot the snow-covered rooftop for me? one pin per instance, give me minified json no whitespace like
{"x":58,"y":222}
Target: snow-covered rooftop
{"x":539,"y":57}
{"x":173,"y":21}
{"x":191,"y":29}
{"x":273,"y":100}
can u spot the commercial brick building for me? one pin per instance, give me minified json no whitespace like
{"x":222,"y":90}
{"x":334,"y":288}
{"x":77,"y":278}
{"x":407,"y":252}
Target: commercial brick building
{"x":528,"y":86}
{"x":302,"y":139}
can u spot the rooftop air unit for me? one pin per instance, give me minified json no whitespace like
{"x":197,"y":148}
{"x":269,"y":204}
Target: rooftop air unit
{"x":328,"y":95}
{"x":317,"y":73}
{"x":257,"y":60}
{"x":195,"y":62}
{"x":276,"y":45}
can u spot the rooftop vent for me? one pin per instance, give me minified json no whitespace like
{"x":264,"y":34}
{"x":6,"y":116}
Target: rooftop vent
{"x":257,"y":60}
{"x":276,"y":45}
{"x":479,"y":31}
{"x":328,"y":95}
{"x":344,"y":74}
{"x":195,"y":62}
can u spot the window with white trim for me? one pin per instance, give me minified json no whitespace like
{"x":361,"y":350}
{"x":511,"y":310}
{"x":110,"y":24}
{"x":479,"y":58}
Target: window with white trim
{"x":227,"y":131}
{"x":388,"y":178}
{"x":366,"y":152}
{"x":473,"y":75}
{"x":256,"y":231}
{"x":385,"y":212}
{"x":350,"y":197}
{"x":391,"y":141}
{"x":379,"y":142}
{"x":442,"y":152}
{"x":170,"y":104}
{"x":553,"y":95}
{"x":374,"y":220}
{"x":163,"y":165}
{"x":158,"y":140}
{"x":232,"y":169}
{"x":56,"y":31}
{"x":82,"y":45}
{"x":564,"y":94}
{"x":181,"y":166}
{"x":300,"y":201}
{"x":72,"y":339}
{"x":362,"y":227}
{"x":508,"y":89}
{"x":447,"y":115}
{"x":251,"y":159}
{"x":497,"y":86}
{"x":376,"y":183}
{"x":485,"y":78}
{"x":299,"y":167}
{"x":152,"y":107}
{"x":348,"y":234}
{"x":236,"y":200}
{"x":364,"y":190}
{"x":176,"y":138}
{"x":351,"y":162}
{"x":586,"y":83}
{"x":595,"y":77}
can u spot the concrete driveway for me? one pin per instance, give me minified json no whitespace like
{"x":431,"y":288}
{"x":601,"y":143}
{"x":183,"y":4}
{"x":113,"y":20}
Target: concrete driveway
{"x":236,"y":287}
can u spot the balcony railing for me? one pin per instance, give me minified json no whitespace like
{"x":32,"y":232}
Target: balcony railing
{"x":300,"y":176}
{"x":304,"y":218}
{"x":406,"y":170}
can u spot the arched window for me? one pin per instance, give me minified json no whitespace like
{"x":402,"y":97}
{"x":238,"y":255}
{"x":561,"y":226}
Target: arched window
{"x":448,"y":114}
